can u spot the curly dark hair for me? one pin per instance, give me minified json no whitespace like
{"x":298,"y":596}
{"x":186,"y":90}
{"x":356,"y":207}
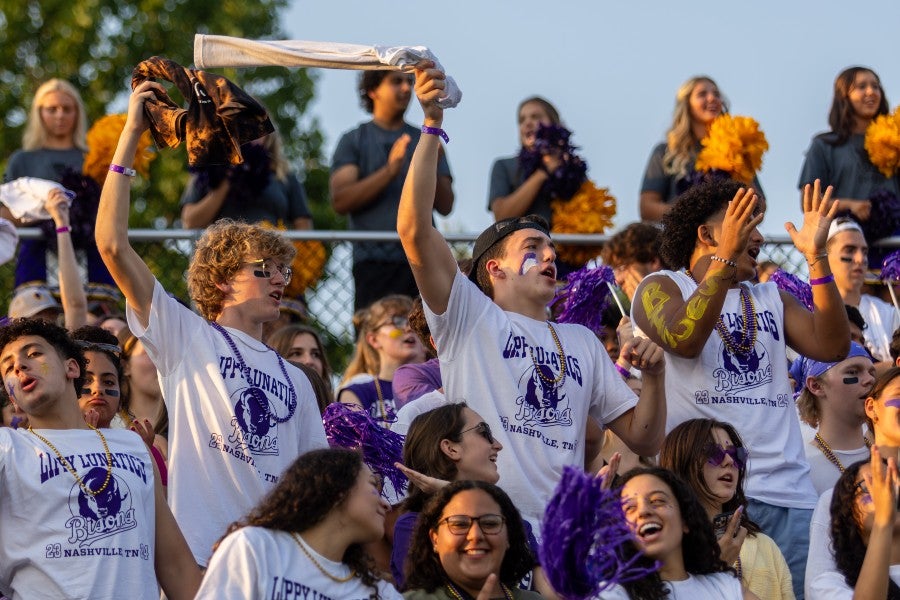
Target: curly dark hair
{"x":847,"y":542}
{"x":368,"y":81}
{"x":423,"y":566}
{"x":841,"y":117}
{"x":638,"y":242}
{"x":422,"y":448}
{"x":55,"y":335}
{"x":699,"y":547}
{"x":683,"y":453}
{"x":316,"y":483}
{"x":691,"y":210}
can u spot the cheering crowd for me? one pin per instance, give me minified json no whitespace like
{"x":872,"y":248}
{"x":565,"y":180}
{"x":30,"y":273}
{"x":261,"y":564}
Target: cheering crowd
{"x":747,"y":424}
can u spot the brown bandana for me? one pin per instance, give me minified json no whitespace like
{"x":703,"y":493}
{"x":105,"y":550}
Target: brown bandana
{"x":219,"y":118}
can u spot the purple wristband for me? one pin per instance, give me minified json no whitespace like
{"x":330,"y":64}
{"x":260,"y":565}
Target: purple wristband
{"x":63,"y":229}
{"x":122,"y":170}
{"x":436,"y":131}
{"x":625,"y":373}
{"x":822,"y":280}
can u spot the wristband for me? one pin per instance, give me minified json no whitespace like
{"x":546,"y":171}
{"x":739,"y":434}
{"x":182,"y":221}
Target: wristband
{"x":730,"y":263}
{"x":436,"y":131}
{"x":122,"y":170}
{"x":625,"y":373}
{"x":822,"y":280}
{"x":63,"y":229}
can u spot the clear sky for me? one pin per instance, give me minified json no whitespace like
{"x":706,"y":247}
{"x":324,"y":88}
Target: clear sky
{"x":612,"y":69}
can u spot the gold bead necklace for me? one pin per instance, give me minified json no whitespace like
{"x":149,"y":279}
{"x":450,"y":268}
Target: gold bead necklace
{"x":829,"y":453}
{"x":71,"y":469}
{"x":559,"y":379}
{"x":335,"y":578}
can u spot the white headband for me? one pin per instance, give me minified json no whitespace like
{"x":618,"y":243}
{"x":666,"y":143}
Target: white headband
{"x":839,"y":225}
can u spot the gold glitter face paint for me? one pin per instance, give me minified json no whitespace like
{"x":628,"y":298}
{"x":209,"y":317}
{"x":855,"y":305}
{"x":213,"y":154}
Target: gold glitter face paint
{"x":44,"y":369}
{"x":653,"y":299}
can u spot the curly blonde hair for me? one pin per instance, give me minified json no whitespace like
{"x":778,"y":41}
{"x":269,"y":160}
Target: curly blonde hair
{"x":35,"y":134}
{"x":365,"y":358}
{"x":222,"y":250}
{"x":681,"y":143}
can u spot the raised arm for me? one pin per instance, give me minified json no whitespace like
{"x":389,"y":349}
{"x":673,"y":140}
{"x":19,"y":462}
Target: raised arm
{"x":195,"y":215}
{"x":429,"y":256}
{"x":129,"y":271}
{"x":176,"y":571}
{"x":824,"y":333}
{"x":683,"y":326}
{"x":71,"y":289}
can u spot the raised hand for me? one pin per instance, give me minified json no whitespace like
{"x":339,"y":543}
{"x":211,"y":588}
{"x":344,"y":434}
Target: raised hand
{"x":136,"y":119}
{"x":741,"y":219}
{"x":731,"y":541}
{"x":145,"y":430}
{"x":818,"y":211}
{"x":57,"y":204}
{"x":429,"y":87}
{"x":608,"y":471}
{"x":397,"y":155}
{"x":645,"y":355}
{"x":882,"y":485}
{"x":427,"y":484}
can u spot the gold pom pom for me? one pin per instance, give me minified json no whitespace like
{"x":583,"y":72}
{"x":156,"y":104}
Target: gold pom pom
{"x":102,"y":139}
{"x":308,"y":265}
{"x":883,"y":142}
{"x":590,"y":210}
{"x":734,"y":145}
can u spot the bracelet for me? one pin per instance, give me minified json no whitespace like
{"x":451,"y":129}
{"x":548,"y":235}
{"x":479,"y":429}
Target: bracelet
{"x":625,"y":373}
{"x":822,"y":280}
{"x":436,"y":131}
{"x":816,"y":258}
{"x":63,"y":229}
{"x":730,"y":263}
{"x":122,"y":170}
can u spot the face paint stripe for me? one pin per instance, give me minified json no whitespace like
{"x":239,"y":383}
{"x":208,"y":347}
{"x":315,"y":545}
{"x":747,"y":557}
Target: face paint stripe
{"x":893,"y":402}
{"x":529,"y":261}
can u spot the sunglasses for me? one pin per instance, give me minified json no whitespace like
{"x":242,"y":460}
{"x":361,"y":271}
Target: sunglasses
{"x":482,"y":429}
{"x":715,"y":455}
{"x":264,"y":269}
{"x":461,"y":524}
{"x":398,"y":321}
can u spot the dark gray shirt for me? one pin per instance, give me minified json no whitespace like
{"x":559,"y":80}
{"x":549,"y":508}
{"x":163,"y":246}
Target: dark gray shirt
{"x":282,"y":201}
{"x":846,"y":167}
{"x":43,"y":163}
{"x":506,"y":177}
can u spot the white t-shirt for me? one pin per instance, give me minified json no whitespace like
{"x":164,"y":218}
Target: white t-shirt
{"x":254,"y":562}
{"x":226,"y":451}
{"x":714,"y":586}
{"x":881,"y":320}
{"x":825,"y":473}
{"x":503,"y":365}
{"x":753,"y":394}
{"x":59,"y":542}
{"x":412,"y":409}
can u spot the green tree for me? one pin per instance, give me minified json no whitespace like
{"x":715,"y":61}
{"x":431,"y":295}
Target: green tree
{"x":95,"y":44}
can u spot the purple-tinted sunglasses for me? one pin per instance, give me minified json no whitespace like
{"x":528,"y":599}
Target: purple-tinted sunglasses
{"x":715,"y":455}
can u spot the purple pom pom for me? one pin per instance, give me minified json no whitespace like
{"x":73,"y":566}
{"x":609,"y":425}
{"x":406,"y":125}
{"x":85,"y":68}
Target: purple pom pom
{"x":586,"y":538}
{"x":884,"y":220}
{"x":572,"y":171}
{"x":585,"y":296}
{"x":890,"y":268}
{"x":794,"y":286}
{"x":349,"y":427}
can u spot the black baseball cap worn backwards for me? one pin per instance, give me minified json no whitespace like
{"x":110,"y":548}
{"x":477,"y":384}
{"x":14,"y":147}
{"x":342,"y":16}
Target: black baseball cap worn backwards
{"x":500,"y":230}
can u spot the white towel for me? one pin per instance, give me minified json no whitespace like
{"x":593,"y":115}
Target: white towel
{"x":9,"y":237}
{"x":211,"y":51}
{"x":25,"y":197}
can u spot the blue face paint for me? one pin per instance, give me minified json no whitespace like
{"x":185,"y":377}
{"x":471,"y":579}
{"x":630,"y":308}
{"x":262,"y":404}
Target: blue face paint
{"x":895,"y":402}
{"x":529,"y":261}
{"x":851,"y":380}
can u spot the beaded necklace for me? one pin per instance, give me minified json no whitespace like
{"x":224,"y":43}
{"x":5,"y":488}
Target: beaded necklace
{"x":559,"y":379}
{"x":744,"y":344}
{"x":72,"y":470}
{"x":458,"y":595}
{"x":257,"y":393}
{"x":302,"y":543}
{"x":829,"y":453}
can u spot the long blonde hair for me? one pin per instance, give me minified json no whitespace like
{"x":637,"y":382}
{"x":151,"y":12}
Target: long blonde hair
{"x":35,"y":135}
{"x":275,"y":148}
{"x":365,"y":358}
{"x":680,"y":139}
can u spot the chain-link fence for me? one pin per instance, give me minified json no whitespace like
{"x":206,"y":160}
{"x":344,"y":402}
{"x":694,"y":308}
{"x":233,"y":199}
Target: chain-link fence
{"x":330,"y":298}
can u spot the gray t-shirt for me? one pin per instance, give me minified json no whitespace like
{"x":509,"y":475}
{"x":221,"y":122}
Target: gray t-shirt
{"x":506,"y":178}
{"x":44,"y":163}
{"x":278,"y":201}
{"x":846,"y":167}
{"x":368,"y":147}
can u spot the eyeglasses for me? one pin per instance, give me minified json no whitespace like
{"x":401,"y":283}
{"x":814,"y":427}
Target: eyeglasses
{"x":863,"y":490}
{"x":715,"y":455}
{"x":461,"y":524}
{"x":264,"y":270}
{"x":482,"y":429}
{"x":398,"y":321}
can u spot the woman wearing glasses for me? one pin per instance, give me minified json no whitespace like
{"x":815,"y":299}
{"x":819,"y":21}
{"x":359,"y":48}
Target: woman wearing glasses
{"x":469,"y":540}
{"x":385,"y":342}
{"x":711,"y":458}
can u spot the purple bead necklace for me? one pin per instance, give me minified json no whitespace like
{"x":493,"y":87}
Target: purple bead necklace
{"x":257,"y":393}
